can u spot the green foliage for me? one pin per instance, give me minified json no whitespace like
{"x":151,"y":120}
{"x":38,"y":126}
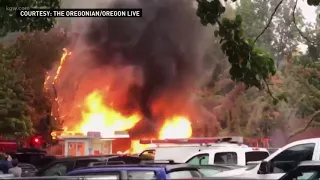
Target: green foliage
{"x":14,"y":97}
{"x":24,"y":65}
{"x":258,"y":12}
{"x":39,"y":51}
{"x":295,"y":86}
{"x":11,"y":23}
{"x":248,"y":64}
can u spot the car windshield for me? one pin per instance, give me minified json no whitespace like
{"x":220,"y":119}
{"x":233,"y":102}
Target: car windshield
{"x":310,"y":175}
{"x":209,"y":172}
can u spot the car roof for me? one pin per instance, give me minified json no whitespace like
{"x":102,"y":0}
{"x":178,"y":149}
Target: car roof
{"x":233,"y":149}
{"x":310,"y":163}
{"x":86,"y":157}
{"x":167,"y":167}
{"x":219,"y":166}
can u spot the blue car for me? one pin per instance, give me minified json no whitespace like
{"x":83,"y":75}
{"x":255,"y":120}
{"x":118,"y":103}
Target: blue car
{"x":140,"y":171}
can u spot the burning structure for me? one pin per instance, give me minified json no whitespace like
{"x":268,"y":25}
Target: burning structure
{"x":135,"y":74}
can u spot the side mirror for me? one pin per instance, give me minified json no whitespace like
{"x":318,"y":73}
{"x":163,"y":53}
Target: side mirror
{"x":264,"y":167}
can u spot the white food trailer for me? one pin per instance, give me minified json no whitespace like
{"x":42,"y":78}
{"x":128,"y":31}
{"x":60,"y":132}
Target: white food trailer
{"x":78,"y":144}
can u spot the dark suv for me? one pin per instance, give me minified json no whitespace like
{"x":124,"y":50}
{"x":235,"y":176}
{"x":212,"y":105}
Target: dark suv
{"x":62,"y":166}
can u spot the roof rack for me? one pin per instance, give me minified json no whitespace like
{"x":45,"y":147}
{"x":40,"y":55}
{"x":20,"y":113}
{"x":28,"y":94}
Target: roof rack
{"x":169,"y":161}
{"x":103,"y":163}
{"x":106,"y":161}
{"x":214,"y":140}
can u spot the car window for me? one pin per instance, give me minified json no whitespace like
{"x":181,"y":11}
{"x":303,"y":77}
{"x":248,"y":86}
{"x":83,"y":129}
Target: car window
{"x":107,"y":177}
{"x":226,"y":158}
{"x":101,"y":173}
{"x":143,"y":175}
{"x":199,"y":159}
{"x":307,"y":175}
{"x":59,"y":169}
{"x":291,"y":157}
{"x":256,"y":156}
{"x":209,"y":172}
{"x":84,"y":163}
{"x":184,"y":174}
{"x":126,"y":159}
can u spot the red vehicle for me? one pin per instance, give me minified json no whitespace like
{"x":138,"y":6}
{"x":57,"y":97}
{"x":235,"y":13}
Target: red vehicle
{"x":8,"y":146}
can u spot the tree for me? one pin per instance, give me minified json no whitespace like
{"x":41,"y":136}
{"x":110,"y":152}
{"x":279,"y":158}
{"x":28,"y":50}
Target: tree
{"x":281,"y":37}
{"x":36,"y":63}
{"x":11,"y":23}
{"x":288,"y":37}
{"x":15,"y":120}
{"x":255,"y":16}
{"x":249,"y":64}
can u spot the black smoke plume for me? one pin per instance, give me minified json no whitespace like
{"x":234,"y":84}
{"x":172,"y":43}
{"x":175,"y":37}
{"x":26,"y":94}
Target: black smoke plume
{"x":166,"y":44}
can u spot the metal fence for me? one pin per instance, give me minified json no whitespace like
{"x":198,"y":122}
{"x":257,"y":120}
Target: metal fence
{"x":104,"y":178}
{"x":65,"y":178}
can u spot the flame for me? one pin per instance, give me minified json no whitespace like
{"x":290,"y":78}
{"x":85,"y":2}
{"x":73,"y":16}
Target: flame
{"x":62,"y":60}
{"x":176,"y":127}
{"x":103,"y":118}
{"x":46,"y":81}
{"x":136,"y":147}
{"x":98,"y":114}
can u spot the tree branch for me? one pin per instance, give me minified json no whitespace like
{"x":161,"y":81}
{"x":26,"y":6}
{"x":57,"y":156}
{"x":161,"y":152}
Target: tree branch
{"x":296,"y":26}
{"x":306,"y":126}
{"x":269,"y":22}
{"x":268,"y":89}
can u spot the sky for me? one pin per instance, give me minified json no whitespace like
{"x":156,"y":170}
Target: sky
{"x":308,"y":11}
{"x":310,"y":16}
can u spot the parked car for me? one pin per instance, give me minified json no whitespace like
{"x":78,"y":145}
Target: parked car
{"x":307,"y":170}
{"x":62,"y":166}
{"x":27,"y":169}
{"x":139,"y":171}
{"x":149,"y":170}
{"x":33,"y":156}
{"x":206,"y":170}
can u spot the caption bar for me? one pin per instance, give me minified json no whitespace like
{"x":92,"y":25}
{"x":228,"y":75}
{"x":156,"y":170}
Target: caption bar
{"x":80,"y":13}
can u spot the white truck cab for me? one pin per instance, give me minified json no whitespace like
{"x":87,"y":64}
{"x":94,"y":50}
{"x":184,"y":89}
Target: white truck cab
{"x":231,"y":154}
{"x":281,"y":161}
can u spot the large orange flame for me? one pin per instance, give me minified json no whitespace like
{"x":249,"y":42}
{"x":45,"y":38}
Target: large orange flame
{"x":176,"y":127}
{"x":98,"y":114}
{"x":103,"y":118}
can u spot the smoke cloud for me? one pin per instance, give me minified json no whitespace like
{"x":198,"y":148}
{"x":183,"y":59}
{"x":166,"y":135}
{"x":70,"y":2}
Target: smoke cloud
{"x":151,"y":64}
